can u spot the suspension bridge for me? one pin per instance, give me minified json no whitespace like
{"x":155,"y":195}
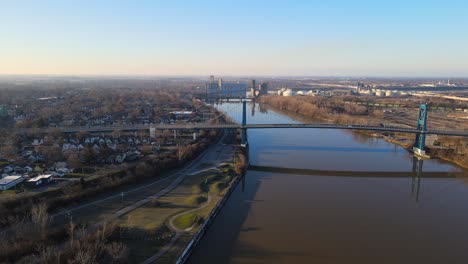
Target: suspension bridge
{"x":420,"y":130}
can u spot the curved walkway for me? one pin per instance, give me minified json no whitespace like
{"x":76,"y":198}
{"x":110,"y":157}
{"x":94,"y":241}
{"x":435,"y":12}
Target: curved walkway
{"x":171,"y":221}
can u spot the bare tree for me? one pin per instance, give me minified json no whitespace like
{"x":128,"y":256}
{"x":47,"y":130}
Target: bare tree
{"x":117,"y":251}
{"x":48,"y":254}
{"x":184,"y":152}
{"x":166,"y":135}
{"x":240,"y":164}
{"x":40,"y":217}
{"x":116,"y":133}
{"x":82,"y":136}
{"x":73,"y":161}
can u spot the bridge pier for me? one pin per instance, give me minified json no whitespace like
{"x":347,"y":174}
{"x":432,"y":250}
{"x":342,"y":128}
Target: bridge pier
{"x":244,"y":141}
{"x":420,"y":141}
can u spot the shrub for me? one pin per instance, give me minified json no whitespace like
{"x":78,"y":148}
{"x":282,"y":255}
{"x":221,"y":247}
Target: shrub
{"x":196,"y":200}
{"x":219,"y":187}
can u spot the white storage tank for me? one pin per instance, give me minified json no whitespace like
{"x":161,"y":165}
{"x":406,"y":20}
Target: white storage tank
{"x":288,"y":92}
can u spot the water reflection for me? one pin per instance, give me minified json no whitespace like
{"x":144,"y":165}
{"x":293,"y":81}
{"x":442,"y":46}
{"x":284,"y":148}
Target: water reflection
{"x":416,"y":180}
{"x":243,"y":183}
{"x":252,"y":106}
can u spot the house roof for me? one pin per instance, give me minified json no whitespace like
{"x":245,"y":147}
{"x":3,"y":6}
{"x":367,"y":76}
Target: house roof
{"x":9,"y":179}
{"x":40,"y":177}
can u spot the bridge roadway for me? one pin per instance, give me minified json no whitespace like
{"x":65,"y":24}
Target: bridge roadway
{"x":203,"y":126}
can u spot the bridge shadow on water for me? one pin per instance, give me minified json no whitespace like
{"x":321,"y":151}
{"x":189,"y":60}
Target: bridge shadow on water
{"x":381,"y":174}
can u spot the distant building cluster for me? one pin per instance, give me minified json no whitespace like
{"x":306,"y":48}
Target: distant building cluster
{"x":363,"y":89}
{"x":290,"y":92}
{"x":438,"y":84}
{"x":285,"y":92}
{"x":220,"y":88}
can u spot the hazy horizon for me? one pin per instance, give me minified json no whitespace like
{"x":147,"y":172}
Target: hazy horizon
{"x":231,"y":76}
{"x":263,"y":38}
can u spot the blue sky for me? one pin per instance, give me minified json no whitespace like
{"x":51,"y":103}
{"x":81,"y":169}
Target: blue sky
{"x":333,"y":37}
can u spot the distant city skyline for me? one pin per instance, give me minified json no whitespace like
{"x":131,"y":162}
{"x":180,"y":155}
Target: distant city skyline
{"x":236,"y":38}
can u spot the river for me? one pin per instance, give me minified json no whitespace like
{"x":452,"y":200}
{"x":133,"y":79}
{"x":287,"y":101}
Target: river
{"x":374,"y":211}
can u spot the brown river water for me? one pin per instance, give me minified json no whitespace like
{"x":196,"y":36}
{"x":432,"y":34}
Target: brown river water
{"x":332,"y":196}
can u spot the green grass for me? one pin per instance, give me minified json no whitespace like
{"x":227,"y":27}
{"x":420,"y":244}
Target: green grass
{"x":197,"y":189}
{"x":196,"y":200}
{"x":8,"y":192}
{"x":208,"y":180}
{"x":186,"y":220}
{"x":215,"y":177}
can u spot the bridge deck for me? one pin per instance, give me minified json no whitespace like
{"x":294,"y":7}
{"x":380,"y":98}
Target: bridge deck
{"x":203,"y":126}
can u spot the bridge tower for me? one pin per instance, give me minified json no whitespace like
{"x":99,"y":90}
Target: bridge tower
{"x":244,"y":122}
{"x":420,"y":142}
